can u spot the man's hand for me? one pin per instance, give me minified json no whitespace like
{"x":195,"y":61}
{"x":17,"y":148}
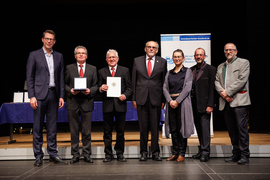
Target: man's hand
{"x":61,"y":103}
{"x":74,"y":92}
{"x":104,"y":87}
{"x":33,"y":103}
{"x":229,"y":99}
{"x":162,"y":105}
{"x":86,"y":92}
{"x":122,"y":97}
{"x":223,"y":94}
{"x":134,"y":104}
{"x":209,"y":109}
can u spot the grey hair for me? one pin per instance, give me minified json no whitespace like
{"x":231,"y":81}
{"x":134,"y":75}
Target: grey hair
{"x":232,"y":44}
{"x":152,"y":41}
{"x":112,"y":50}
{"x":80,"y":47}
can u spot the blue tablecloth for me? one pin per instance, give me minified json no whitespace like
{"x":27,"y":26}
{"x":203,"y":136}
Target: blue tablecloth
{"x":23,"y":113}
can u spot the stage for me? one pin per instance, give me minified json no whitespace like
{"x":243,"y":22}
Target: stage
{"x":220,"y":145}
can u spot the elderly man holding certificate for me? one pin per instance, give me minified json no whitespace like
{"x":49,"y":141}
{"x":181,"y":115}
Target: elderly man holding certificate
{"x":80,"y":87}
{"x":114,"y":84}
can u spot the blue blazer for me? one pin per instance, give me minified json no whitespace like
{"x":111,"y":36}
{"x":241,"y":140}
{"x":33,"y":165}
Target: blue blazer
{"x":38,"y":76}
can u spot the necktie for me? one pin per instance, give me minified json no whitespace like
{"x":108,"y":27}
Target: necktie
{"x":81,"y":70}
{"x":149,"y":67}
{"x":113,"y":72}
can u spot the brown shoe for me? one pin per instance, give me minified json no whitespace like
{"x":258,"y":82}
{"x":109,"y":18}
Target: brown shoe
{"x":172,"y":158}
{"x":180,"y":159}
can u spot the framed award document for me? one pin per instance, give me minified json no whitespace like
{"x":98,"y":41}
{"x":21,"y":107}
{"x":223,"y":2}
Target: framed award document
{"x":80,"y":83}
{"x":114,"y":86}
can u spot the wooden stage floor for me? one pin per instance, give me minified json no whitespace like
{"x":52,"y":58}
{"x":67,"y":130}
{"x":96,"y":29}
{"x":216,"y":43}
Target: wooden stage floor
{"x":132,"y":139}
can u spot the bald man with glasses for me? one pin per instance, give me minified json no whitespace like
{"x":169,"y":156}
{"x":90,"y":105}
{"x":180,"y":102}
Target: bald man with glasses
{"x":232,"y":85}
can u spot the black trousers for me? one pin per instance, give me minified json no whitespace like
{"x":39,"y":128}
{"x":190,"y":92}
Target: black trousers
{"x":202,"y":124}
{"x":120,"y":122}
{"x":48,"y":107}
{"x":179,"y":143}
{"x":236,"y":122}
{"x":74,"y":125}
{"x":149,"y":118}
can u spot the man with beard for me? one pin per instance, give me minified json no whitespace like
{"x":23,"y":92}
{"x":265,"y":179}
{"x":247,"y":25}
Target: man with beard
{"x":203,"y":101}
{"x":233,"y":86}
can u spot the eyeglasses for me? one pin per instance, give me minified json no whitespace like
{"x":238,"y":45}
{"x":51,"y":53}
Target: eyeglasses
{"x":112,"y":57}
{"x":83,"y":53}
{"x":179,"y":57}
{"x":48,"y":39}
{"x":149,"y":47}
{"x":227,"y":50}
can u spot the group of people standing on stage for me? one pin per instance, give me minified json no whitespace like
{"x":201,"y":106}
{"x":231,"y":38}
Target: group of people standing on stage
{"x":188,"y":94}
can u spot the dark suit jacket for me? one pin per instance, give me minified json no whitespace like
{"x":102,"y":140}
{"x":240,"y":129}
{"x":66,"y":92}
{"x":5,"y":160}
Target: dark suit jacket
{"x":38,"y":76}
{"x":110,"y":102}
{"x":204,"y":87}
{"x":142,"y":85}
{"x":85,"y":102}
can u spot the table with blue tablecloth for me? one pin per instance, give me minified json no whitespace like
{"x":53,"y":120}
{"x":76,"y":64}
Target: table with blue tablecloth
{"x":14,"y":113}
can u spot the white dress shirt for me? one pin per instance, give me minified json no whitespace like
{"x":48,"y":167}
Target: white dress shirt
{"x":115,"y":67}
{"x":152,"y":62}
{"x":50,"y":62}
{"x":79,"y":68}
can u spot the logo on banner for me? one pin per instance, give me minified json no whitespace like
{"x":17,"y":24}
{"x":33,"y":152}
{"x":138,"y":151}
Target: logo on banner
{"x":169,"y":60}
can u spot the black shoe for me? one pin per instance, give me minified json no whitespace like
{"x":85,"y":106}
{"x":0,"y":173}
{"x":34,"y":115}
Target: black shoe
{"x":107,"y":158}
{"x":143,"y":157}
{"x":88,"y":159}
{"x":233,"y":158}
{"x":204,"y":158}
{"x":197,"y":156}
{"x":121,"y":158}
{"x":57,"y":160}
{"x":74,"y":160}
{"x":38,"y":162}
{"x":244,"y":160}
{"x":156,"y":158}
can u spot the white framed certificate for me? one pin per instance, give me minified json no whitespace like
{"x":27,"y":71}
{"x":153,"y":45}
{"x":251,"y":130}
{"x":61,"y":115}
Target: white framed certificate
{"x":18,"y":97}
{"x":80,"y":83}
{"x":114,"y":86}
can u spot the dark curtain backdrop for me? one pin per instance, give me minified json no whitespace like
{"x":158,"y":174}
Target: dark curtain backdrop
{"x":126,"y":26}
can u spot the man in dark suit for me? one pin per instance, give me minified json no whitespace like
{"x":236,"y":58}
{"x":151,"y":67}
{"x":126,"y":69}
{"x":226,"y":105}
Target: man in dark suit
{"x":80,"y":103}
{"x":45,"y":84}
{"x":203,"y":101}
{"x":147,"y":83}
{"x":114,"y":106}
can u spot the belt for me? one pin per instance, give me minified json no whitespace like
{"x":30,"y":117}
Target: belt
{"x":242,"y":92}
{"x":174,"y":95}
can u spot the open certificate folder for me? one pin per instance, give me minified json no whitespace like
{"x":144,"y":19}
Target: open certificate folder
{"x":114,"y":89}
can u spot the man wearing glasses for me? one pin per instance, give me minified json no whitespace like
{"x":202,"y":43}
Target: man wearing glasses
{"x":147,"y":83}
{"x":45,"y":84}
{"x":233,"y":86}
{"x":80,"y":103}
{"x":114,"y":107}
{"x":203,"y":89}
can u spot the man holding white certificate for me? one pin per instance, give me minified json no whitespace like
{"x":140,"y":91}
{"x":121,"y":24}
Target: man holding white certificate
{"x":80,"y":87}
{"x":114,"y":84}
